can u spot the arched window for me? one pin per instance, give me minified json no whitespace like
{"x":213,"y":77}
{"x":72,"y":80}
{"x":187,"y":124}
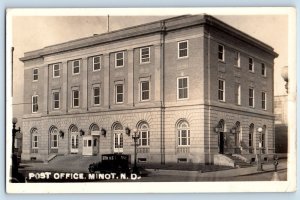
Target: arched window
{"x":118,"y":138}
{"x":183,"y":131}
{"x":144,"y":134}
{"x":251,"y":131}
{"x":74,"y":138}
{"x":34,"y":140}
{"x":237,"y":134}
{"x":94,"y":129}
{"x":53,"y":137}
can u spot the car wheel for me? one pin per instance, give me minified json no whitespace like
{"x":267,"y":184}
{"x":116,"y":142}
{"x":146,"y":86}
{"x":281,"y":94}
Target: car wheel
{"x":92,"y":169}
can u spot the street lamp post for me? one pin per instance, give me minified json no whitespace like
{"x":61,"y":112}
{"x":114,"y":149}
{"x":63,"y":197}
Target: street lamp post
{"x":14,"y":157}
{"x":259,"y":163}
{"x":135,"y":137}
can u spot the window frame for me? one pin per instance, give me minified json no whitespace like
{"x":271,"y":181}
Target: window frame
{"x":222,"y":53}
{"x":252,"y":64}
{"x":37,"y":103}
{"x":141,"y":53}
{"x":99,"y":96}
{"x":74,"y":67}
{"x":237,"y":59}
{"x":53,"y":70}
{"x":52,"y":146}
{"x":35,"y":75}
{"x":123,"y":59}
{"x":222,"y":90}
{"x":179,"y":131}
{"x":141,"y":90}
{"x":100,"y":60}
{"x":264,"y":100}
{"x":53,"y":95}
{"x":178,"y":49}
{"x":253,"y":97}
{"x":116,"y":93}
{"x":73,"y":98}
{"x":187,"y":87}
{"x":144,"y":128}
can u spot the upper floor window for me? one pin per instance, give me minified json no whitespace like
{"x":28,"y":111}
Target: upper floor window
{"x":221,"y":53}
{"x":263,"y":100}
{"x":182,"y":88}
{"x":56,"y":99}
{"x":56,"y":70}
{"x":237,"y":59}
{"x":35,"y":74}
{"x":96,"y":95}
{"x":238,"y":94}
{"x":96,"y":63}
{"x":145,"y":90}
{"x":221,"y":90}
{"x":251,"y":97}
{"x":183,"y":132}
{"x":183,"y":49}
{"x":34,"y":104}
{"x":76,"y":67}
{"x":75,"y":98}
{"x":251,"y":65}
{"x":145,"y":55}
{"x":263,"y":69}
{"x":119,"y":59}
{"x":119,"y":89}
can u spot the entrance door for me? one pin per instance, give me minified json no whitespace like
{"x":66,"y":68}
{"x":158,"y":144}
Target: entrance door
{"x":74,"y":143}
{"x":118,"y":142}
{"x":221,"y":150}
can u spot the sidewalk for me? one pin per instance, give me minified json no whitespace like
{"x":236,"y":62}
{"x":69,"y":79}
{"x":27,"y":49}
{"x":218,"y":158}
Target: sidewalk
{"x":221,"y":174}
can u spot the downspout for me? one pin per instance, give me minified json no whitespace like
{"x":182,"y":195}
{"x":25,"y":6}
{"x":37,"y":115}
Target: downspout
{"x":162,"y":115}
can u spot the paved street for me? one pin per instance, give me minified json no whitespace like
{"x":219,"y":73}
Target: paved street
{"x":73,"y":164}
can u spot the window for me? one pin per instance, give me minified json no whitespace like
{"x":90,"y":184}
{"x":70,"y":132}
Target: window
{"x":183,"y":131}
{"x":251,"y":65}
{"x":238,"y":94}
{"x":251,"y":97}
{"x":119,"y":59}
{"x":56,"y":70}
{"x":221,"y":90}
{"x":263,"y":138}
{"x":145,"y":90}
{"x":183,"y":49}
{"x":263,"y":100}
{"x":221,"y":53}
{"x":34,"y":103}
{"x":263,"y":69}
{"x":56,"y":99}
{"x":250,"y":139}
{"x":75,"y":98}
{"x":54,"y":138}
{"x":119,"y":93}
{"x":144,"y":135}
{"x":182,"y":88}
{"x":96,"y":63}
{"x":76,"y":67}
{"x":96,"y":95}
{"x":145,"y":55}
{"x":35,"y":74}
{"x":237,"y":59}
{"x":34,"y":138}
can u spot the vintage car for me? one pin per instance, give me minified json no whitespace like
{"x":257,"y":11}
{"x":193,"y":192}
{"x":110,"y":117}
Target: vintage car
{"x":112,"y":163}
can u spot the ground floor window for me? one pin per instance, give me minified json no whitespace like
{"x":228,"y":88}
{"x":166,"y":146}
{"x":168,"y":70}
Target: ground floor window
{"x":183,"y":131}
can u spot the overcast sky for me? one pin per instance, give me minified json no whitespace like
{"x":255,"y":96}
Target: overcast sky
{"x":31,"y":33}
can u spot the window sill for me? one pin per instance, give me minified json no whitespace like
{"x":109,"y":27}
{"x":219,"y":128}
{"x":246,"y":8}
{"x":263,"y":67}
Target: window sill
{"x":182,"y":58}
{"x":222,"y":61}
{"x":145,"y":63}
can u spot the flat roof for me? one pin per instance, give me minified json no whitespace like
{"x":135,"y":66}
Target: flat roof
{"x":145,"y":29}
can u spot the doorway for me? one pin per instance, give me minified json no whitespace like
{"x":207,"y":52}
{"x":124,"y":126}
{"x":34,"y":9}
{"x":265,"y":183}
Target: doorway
{"x":221,"y":148}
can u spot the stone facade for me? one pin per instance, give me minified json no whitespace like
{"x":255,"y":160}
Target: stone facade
{"x":174,"y":128}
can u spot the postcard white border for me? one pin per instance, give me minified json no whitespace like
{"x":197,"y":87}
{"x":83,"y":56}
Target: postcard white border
{"x":160,"y":187}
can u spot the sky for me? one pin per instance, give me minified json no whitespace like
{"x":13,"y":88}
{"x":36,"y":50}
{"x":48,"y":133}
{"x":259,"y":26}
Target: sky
{"x":35,"y":32}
